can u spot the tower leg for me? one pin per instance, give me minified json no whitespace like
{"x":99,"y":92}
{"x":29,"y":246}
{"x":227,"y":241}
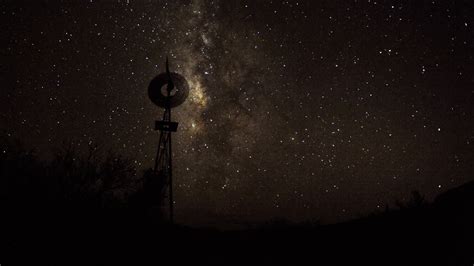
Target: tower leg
{"x":163,"y":164}
{"x":170,"y":170}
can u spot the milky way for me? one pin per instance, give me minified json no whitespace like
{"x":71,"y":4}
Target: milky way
{"x":302,"y":110}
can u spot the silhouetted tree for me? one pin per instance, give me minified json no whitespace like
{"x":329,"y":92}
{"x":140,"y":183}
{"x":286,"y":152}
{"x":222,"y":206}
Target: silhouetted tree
{"x":417,"y":201}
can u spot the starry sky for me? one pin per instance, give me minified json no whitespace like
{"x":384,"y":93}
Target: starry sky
{"x":303,"y":110}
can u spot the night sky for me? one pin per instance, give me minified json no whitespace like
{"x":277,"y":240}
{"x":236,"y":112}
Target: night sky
{"x":309,"y":110}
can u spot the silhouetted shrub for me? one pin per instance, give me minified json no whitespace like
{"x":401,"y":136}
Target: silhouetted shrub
{"x":90,"y":180}
{"x":417,"y":201}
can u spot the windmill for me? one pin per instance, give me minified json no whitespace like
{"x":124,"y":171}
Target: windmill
{"x":167,"y":90}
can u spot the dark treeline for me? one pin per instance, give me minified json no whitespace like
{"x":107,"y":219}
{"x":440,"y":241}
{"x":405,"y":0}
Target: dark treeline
{"x":90,"y":181}
{"x":92,"y":207}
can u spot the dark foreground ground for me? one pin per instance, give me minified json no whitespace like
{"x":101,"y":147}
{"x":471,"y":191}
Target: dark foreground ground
{"x":91,"y":210}
{"x":440,"y":233}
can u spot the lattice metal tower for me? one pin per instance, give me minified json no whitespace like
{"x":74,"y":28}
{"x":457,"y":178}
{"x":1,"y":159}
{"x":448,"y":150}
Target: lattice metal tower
{"x":167,"y":90}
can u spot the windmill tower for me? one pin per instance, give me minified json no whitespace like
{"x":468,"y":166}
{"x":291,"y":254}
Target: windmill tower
{"x":167,"y":90}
